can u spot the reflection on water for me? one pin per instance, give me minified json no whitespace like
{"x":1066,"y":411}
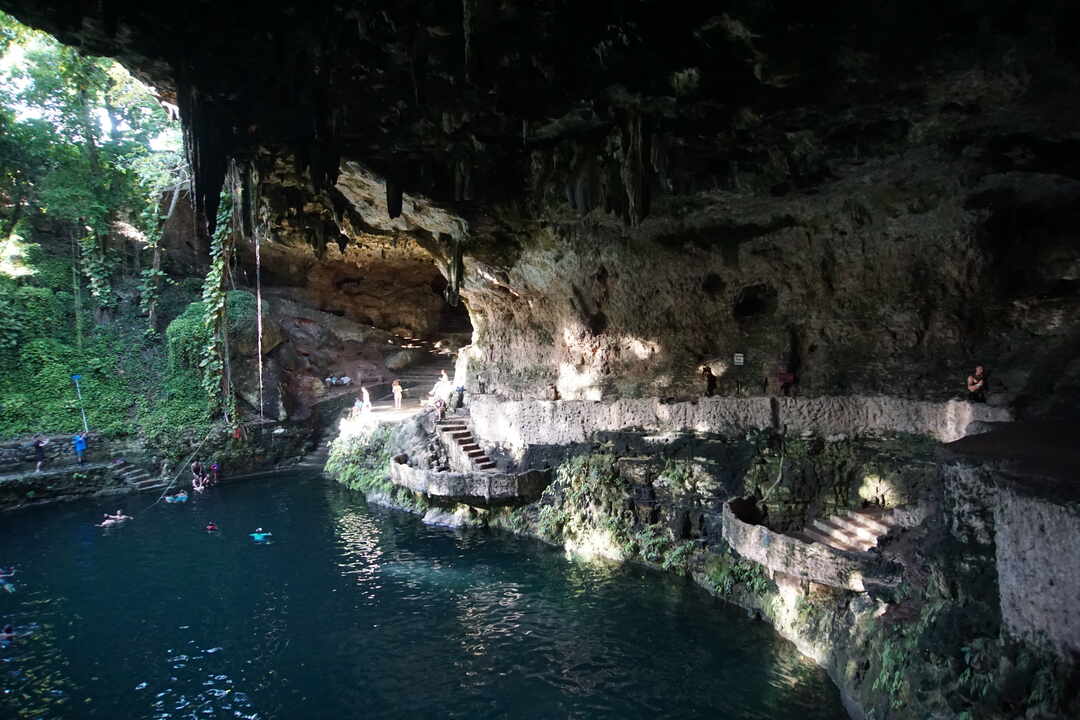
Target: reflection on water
{"x":358,"y":611}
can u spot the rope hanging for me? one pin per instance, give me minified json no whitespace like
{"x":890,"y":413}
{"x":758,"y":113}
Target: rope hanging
{"x":258,"y":316}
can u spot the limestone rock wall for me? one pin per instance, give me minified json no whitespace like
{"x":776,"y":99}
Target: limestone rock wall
{"x":1038,"y":568}
{"x":876,"y":198}
{"x":518,"y":424}
{"x":1031,"y":535}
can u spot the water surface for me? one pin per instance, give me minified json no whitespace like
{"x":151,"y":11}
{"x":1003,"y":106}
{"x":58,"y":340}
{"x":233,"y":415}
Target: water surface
{"x":357,"y":611}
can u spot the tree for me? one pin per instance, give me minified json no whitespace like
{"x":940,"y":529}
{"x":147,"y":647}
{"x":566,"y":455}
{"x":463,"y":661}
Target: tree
{"x":78,"y":145}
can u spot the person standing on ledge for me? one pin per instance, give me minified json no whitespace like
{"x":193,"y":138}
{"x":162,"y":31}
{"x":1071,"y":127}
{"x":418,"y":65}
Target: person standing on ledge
{"x":398,"y":391}
{"x":39,"y":451}
{"x":710,"y":380}
{"x":976,"y":385}
{"x":786,"y":380}
{"x":78,"y":443}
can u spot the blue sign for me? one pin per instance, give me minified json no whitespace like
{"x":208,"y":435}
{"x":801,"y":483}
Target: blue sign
{"x":76,"y":378}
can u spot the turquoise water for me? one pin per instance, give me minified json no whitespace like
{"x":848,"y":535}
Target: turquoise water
{"x":355,"y":611}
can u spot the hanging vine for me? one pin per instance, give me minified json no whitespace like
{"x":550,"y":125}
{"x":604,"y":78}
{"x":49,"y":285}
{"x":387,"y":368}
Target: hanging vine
{"x":215,"y":361}
{"x":97,"y":266}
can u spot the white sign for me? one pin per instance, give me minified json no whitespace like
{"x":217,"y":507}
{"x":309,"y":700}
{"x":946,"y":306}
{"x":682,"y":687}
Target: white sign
{"x":740,"y":358}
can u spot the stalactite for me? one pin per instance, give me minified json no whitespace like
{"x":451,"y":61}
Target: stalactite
{"x":394,"y":195}
{"x":463,"y":178}
{"x":467,"y":10}
{"x":455,"y":269}
{"x":634,"y":169}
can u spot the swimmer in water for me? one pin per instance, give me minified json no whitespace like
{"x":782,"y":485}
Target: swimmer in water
{"x":8,"y":634}
{"x":260,"y":535}
{"x":5,"y":574}
{"x":211,"y":527}
{"x":116,"y":519}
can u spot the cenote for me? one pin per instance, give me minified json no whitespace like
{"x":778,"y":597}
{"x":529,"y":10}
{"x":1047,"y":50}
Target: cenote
{"x":359,"y":611}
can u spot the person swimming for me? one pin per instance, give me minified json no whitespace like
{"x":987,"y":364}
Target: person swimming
{"x":178,"y":497}
{"x":211,"y":527}
{"x":5,"y":583}
{"x":7,"y":634}
{"x":261,"y":535}
{"x":116,"y":519}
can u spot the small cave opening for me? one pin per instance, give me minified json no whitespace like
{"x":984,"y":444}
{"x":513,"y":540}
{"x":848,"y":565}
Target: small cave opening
{"x":597,"y":323}
{"x":755,"y":301}
{"x":713,"y":284}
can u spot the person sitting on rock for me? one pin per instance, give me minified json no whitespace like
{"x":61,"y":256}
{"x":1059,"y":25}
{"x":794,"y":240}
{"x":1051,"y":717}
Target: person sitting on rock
{"x":976,"y":385}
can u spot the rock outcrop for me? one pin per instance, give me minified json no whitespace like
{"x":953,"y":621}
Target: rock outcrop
{"x":478,"y":489}
{"x":806,"y":561}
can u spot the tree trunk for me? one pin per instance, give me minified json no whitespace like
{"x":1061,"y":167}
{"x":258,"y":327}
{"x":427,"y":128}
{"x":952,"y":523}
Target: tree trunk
{"x":16,"y":214}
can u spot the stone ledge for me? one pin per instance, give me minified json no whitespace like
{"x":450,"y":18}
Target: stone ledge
{"x":516,"y":424}
{"x":818,"y":563}
{"x":479,"y":489}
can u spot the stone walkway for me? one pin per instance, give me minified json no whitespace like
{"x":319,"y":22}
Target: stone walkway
{"x":55,"y":471}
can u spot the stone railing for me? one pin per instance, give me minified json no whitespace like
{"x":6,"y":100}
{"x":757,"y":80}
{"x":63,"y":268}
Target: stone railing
{"x":479,"y":489}
{"x":517,"y":424}
{"x":811,"y":561}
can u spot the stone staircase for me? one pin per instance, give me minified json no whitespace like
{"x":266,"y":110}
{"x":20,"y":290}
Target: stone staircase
{"x":455,"y":431}
{"x":854,"y":531}
{"x":137,"y":478}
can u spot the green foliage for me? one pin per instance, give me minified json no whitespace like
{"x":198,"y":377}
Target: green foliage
{"x":550,"y":522}
{"x":150,"y":284}
{"x":589,"y":499}
{"x":214,"y":357}
{"x":186,"y":338}
{"x":99,"y":180}
{"x":727,"y":573}
{"x":93,"y":187}
{"x":362,"y":462}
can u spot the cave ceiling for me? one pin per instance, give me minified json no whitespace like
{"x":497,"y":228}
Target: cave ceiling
{"x":874,"y":193}
{"x":451,"y":101}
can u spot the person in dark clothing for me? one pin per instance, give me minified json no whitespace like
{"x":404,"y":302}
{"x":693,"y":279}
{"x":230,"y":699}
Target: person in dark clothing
{"x":976,"y":385}
{"x":710,"y":380}
{"x":786,"y":380}
{"x":39,"y":451}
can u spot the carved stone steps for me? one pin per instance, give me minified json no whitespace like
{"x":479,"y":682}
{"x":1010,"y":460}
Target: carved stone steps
{"x":819,"y":537}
